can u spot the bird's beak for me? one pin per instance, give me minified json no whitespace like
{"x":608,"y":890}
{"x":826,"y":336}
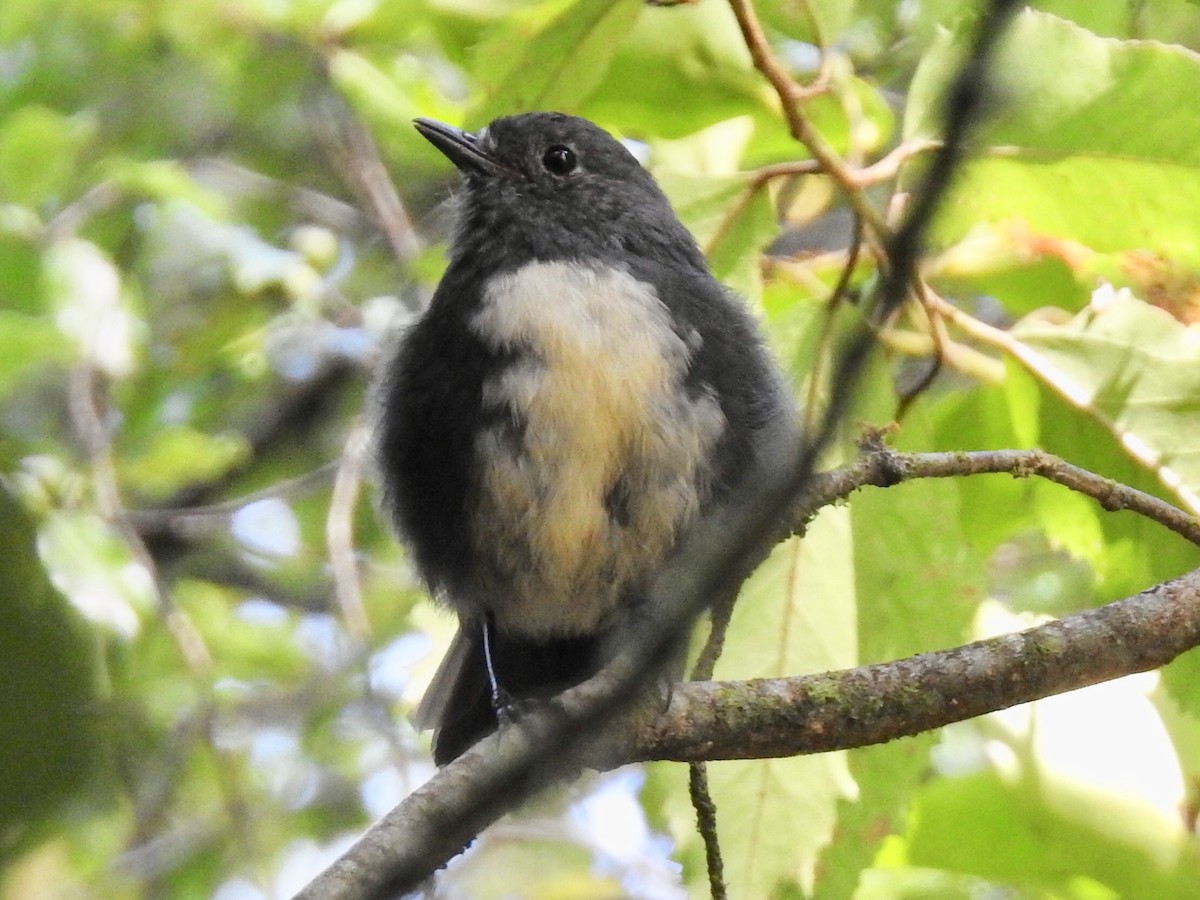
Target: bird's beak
{"x":462,"y":148}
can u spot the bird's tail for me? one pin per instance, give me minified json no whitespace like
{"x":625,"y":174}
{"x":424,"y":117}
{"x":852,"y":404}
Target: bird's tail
{"x":458,"y":704}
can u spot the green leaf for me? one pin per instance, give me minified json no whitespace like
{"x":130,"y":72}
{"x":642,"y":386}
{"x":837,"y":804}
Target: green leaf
{"x":1090,"y":138}
{"x":1055,"y":538}
{"x":39,"y":154}
{"x":1181,"y":678}
{"x":1107,"y":19}
{"x":1134,"y":551}
{"x":94,"y":568}
{"x":162,"y":180}
{"x":92,"y":308}
{"x":25,"y":343}
{"x":20,"y":266}
{"x":807,"y":22}
{"x":999,"y":842}
{"x":1023,"y":271}
{"x":1125,"y":551}
{"x":371,"y":89}
{"x":796,"y":615}
{"x":177,"y":456}
{"x":731,"y":225}
{"x":918,"y":584}
{"x":551,"y":56}
{"x":672,"y":56}
{"x":49,"y":719}
{"x":918,"y":580}
{"x":243,"y":647}
{"x":886,"y":775}
{"x":1060,"y":801}
{"x":1136,"y":371}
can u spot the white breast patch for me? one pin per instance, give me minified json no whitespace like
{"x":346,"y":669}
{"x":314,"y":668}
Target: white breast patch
{"x":598,"y":384}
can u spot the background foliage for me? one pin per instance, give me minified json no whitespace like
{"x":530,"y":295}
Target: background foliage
{"x":210,"y":644}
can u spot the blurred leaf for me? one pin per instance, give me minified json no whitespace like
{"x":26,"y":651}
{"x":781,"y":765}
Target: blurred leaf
{"x":551,"y":56}
{"x":389,"y":21}
{"x":39,"y":154}
{"x":161,"y":180}
{"x":247,"y":646}
{"x":16,"y":18}
{"x":1001,"y":844}
{"x":810,"y":20}
{"x":93,"y":567}
{"x":546,"y":869}
{"x":20,"y":271}
{"x":1024,"y":271}
{"x":886,"y":775}
{"x":372,"y":90}
{"x":176,"y":456}
{"x":1090,"y":140}
{"x":1105,"y":19}
{"x":673,"y":55}
{"x":732,"y":226}
{"x":1181,"y":678}
{"x":49,"y":720}
{"x":25,"y":343}
{"x":84,"y":285}
{"x":1065,"y":804}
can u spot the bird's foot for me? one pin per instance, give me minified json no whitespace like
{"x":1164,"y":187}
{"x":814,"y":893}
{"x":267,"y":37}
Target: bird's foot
{"x":508,"y":708}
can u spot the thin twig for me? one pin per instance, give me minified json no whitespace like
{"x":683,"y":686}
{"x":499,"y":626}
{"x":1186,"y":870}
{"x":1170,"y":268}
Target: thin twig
{"x":758,"y":180}
{"x":72,"y":217}
{"x":881,"y":466}
{"x":353,"y":152}
{"x":193,"y":521}
{"x":888,"y":167}
{"x":836,"y":297}
{"x":880,"y":171}
{"x":790,"y":96}
{"x":939,"y":341}
{"x":84,"y":402}
{"x":842,"y":288}
{"x":958,"y":356}
{"x":339,"y":533}
{"x":706,"y":825}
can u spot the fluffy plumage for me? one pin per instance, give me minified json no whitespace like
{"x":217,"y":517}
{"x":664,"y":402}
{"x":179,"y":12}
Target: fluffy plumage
{"x":578,"y":393}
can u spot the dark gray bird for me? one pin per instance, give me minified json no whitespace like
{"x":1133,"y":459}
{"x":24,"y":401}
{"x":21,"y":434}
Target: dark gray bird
{"x":580,"y":391}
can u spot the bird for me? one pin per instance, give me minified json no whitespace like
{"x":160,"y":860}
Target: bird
{"x":579,"y":392}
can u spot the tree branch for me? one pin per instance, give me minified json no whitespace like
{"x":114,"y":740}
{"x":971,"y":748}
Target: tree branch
{"x":767,"y":718}
{"x":789,"y":716}
{"x":880,"y":466}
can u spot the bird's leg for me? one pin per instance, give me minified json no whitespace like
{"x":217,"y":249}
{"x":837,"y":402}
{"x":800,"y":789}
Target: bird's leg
{"x":502,"y":701}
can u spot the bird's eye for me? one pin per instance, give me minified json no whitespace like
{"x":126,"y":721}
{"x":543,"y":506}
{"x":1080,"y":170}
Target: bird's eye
{"x":559,"y":160}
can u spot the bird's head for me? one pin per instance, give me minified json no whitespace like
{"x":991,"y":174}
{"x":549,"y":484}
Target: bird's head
{"x":555,"y":186}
